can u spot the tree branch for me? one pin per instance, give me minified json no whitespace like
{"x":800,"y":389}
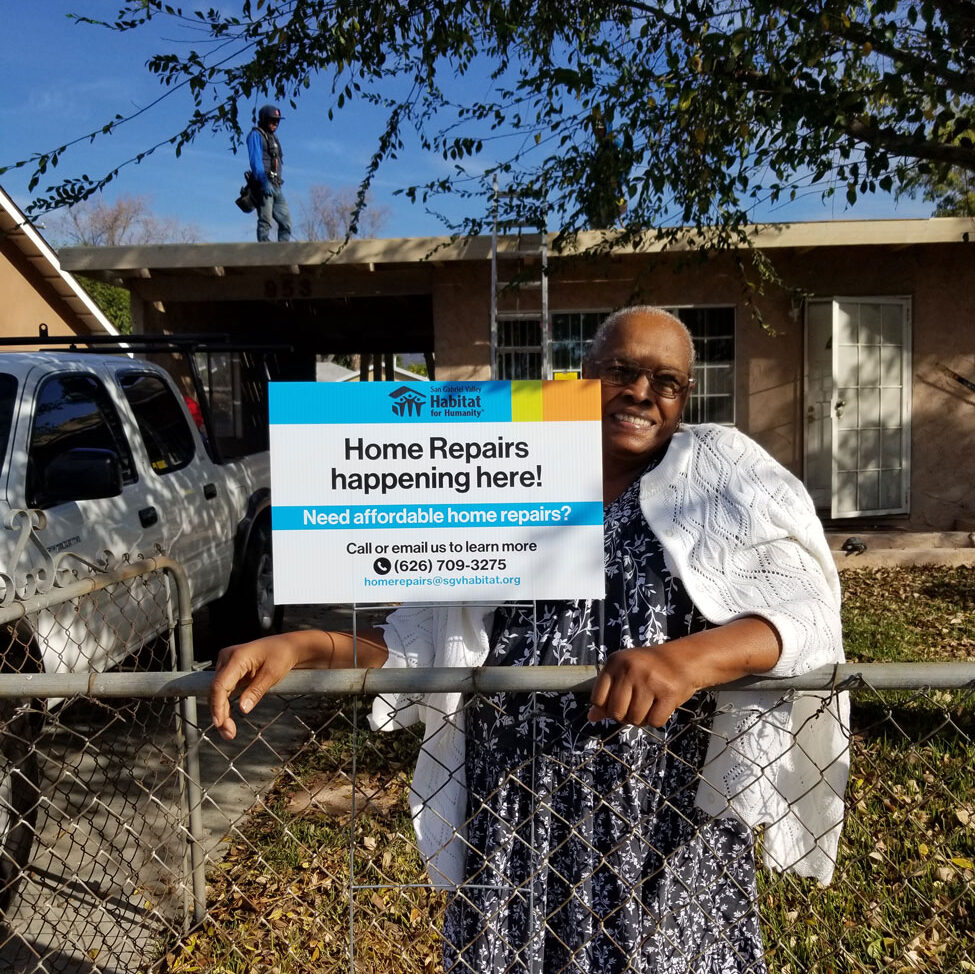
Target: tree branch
{"x":910,"y":146}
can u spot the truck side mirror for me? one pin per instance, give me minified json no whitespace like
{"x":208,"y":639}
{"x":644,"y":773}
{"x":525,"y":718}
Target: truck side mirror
{"x":82,"y":473}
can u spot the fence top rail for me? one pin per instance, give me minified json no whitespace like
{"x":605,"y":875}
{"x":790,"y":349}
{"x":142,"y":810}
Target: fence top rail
{"x":56,"y":591}
{"x":489,"y":679}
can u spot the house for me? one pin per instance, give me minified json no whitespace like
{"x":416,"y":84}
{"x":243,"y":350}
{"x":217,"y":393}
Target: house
{"x":849,"y":383}
{"x":36,"y":289}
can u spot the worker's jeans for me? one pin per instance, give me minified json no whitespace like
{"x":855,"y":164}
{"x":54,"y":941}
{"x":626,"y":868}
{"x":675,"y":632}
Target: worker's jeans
{"x":274,"y":207}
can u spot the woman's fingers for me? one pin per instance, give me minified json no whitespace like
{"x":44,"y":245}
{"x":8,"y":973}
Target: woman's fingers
{"x":618,"y":697}
{"x":228,"y":675}
{"x":636,"y":686}
{"x":599,"y":695}
{"x":265,"y":678}
{"x":255,"y":667}
{"x":618,"y":700}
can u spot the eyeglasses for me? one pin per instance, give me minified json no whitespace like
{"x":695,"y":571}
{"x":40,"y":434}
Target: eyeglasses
{"x":667,"y":383}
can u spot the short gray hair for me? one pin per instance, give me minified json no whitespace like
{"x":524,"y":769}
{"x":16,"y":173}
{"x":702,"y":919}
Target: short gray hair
{"x":606,"y":328}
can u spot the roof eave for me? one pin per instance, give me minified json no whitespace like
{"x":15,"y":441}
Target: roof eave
{"x":19,"y":230}
{"x":121,"y":263}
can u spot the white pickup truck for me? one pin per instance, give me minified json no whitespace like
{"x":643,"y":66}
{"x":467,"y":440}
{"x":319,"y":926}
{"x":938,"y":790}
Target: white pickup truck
{"x":105,"y":447}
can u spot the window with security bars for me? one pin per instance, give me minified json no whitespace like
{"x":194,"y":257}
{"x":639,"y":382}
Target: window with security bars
{"x":519,"y":353}
{"x":572,"y":334}
{"x":713,"y":396}
{"x":713,"y":329}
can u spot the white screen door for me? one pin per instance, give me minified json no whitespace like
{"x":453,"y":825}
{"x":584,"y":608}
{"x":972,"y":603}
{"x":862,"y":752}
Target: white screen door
{"x":858,"y":405}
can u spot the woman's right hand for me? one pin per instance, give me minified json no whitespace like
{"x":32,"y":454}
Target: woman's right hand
{"x":255,"y":666}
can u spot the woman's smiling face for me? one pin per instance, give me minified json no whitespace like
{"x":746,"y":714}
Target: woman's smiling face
{"x":637,"y":421}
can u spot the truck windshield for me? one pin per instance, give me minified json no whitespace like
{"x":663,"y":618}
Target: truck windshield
{"x":8,"y":396}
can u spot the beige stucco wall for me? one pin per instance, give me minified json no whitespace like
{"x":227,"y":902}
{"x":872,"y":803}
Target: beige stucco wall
{"x":938,"y":279}
{"x":462,"y":321}
{"x":27,"y":299}
{"x":944,"y":411}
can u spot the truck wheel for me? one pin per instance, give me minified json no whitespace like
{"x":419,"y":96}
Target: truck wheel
{"x":258,"y":577}
{"x":19,"y":794}
{"x":248,"y":611}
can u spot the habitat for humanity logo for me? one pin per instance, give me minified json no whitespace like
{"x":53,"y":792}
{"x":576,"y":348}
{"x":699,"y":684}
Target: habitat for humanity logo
{"x":407,"y":401}
{"x":455,"y":400}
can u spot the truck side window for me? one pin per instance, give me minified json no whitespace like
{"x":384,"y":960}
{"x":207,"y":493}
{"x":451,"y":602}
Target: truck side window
{"x":8,"y":397}
{"x":73,"y":410}
{"x":167,"y":438}
{"x":235,"y":386}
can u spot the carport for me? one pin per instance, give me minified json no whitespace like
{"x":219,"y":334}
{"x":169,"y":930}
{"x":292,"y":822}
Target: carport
{"x":373,"y":298}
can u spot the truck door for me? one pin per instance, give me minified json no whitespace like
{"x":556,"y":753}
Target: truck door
{"x":73,"y":410}
{"x":191,"y":490}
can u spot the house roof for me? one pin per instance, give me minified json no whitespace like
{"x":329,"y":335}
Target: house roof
{"x":121,"y":265}
{"x":17,"y":229}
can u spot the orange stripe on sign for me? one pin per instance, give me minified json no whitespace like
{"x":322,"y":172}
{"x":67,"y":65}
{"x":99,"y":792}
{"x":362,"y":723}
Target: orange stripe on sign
{"x":567,"y":401}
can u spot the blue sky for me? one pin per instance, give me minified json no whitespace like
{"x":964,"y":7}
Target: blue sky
{"x":62,"y":80}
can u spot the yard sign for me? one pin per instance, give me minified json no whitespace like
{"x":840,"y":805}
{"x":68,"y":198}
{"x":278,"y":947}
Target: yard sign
{"x":436,"y":491}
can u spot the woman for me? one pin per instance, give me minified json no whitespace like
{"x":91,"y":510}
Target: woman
{"x":590,"y":841}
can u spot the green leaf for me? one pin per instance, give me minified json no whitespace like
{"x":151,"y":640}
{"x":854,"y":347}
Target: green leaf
{"x":712,"y":106}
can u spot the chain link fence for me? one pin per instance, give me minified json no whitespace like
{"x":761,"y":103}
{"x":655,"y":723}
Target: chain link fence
{"x":99,"y":796}
{"x":137,"y":840}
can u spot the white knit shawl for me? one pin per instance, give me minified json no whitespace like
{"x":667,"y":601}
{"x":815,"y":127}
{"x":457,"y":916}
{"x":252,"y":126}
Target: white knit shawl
{"x":742,"y":534}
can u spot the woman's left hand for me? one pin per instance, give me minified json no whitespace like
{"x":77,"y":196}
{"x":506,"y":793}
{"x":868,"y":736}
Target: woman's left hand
{"x":646,"y":684}
{"x":641,"y":685}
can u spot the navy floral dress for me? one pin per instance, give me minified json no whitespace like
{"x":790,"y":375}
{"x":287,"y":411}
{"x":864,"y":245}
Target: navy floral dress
{"x":587,"y":853}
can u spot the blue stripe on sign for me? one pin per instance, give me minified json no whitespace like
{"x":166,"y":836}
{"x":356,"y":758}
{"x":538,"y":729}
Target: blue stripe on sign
{"x":389,"y":403}
{"x":316,"y":517}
